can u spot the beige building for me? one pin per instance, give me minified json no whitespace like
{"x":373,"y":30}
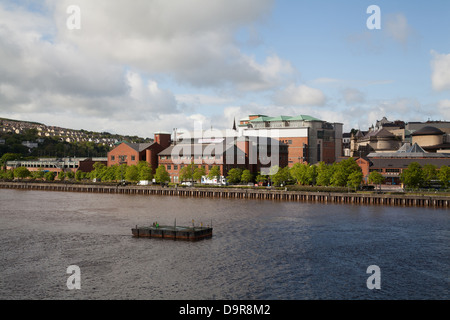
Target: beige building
{"x":379,"y":140}
{"x":431,"y":139}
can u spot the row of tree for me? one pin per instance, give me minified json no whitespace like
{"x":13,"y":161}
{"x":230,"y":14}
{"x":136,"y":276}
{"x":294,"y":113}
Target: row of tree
{"x":23,"y":173}
{"x":346,"y":173}
{"x":416,"y":176}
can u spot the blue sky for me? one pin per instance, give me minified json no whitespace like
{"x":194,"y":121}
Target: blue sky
{"x":151,"y":65}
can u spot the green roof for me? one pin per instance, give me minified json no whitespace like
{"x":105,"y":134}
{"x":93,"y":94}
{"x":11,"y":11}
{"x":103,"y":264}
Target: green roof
{"x":261,"y":119}
{"x":285,"y":118}
{"x":280,"y":118}
{"x":304,"y":118}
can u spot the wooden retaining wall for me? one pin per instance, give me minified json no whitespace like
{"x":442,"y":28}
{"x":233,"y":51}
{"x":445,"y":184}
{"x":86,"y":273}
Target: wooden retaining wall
{"x":236,"y":193}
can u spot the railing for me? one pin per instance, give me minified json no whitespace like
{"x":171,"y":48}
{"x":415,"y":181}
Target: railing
{"x":235,"y":193}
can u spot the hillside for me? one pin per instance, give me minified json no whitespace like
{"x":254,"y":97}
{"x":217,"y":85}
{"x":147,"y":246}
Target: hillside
{"x":33,"y":139}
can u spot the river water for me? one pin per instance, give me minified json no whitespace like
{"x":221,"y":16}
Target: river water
{"x":261,"y":249}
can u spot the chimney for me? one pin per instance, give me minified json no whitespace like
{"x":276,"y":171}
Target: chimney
{"x":163,"y":139}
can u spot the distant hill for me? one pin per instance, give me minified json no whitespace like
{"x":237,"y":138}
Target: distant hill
{"x":33,"y":139}
{"x":68,"y":135}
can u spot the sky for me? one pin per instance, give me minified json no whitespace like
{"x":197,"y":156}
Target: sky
{"x":141,"y":66}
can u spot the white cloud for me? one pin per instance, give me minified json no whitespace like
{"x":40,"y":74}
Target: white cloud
{"x":353,"y":96}
{"x":108,"y":68}
{"x":299,"y":95}
{"x":192,"y":41}
{"x":394,"y":26}
{"x":109,"y":74}
{"x":149,"y":97}
{"x":444,"y":109}
{"x":440,"y":71}
{"x":397,"y":27}
{"x":198,"y":99}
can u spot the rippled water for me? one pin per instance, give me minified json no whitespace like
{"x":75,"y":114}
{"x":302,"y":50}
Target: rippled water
{"x":260,"y":249}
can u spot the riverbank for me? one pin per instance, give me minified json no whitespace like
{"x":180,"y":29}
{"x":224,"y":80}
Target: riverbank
{"x":437,"y":201}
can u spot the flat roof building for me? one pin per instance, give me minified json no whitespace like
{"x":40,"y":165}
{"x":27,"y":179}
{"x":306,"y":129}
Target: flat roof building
{"x":309,"y":139}
{"x":84,"y":164}
{"x":392,"y":164}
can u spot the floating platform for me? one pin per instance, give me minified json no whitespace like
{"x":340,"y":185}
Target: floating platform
{"x":173,"y":232}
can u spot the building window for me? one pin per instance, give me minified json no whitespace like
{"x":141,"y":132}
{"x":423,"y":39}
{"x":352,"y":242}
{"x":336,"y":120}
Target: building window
{"x":318,"y":152}
{"x":133,"y":158}
{"x":169,"y":167}
{"x":175,"y":167}
{"x":113,"y":158}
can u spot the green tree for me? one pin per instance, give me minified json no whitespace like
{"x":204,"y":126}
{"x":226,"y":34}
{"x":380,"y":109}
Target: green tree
{"x":61,"y":176}
{"x":199,"y":173}
{"x":342,"y":170}
{"x":132,"y":173}
{"x":429,"y":174}
{"x":214,"y":172}
{"x":9,"y":157}
{"x":70,"y":175}
{"x":21,"y":173}
{"x":444,"y":176}
{"x":246,"y":176}
{"x":299,"y":173}
{"x":261,"y":178}
{"x":49,"y":176}
{"x":311,"y":174}
{"x":376,"y":178}
{"x":234,"y":175}
{"x":161,"y":175}
{"x":281,"y":176}
{"x":120,"y":172}
{"x":110,"y":173}
{"x":9,"y":174}
{"x":339,"y":178}
{"x":413,"y":176}
{"x":79,"y":175}
{"x":38,"y":174}
{"x":187,"y":172}
{"x":145,"y":170}
{"x":354,"y":179}
{"x":99,"y":171}
{"x":324,"y":173}
{"x":349,"y":166}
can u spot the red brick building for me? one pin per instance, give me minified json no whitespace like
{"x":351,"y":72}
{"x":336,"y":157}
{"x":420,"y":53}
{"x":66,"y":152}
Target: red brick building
{"x":132,"y":153}
{"x":178,"y":156}
{"x":391,"y":164}
{"x":308,"y":139}
{"x":243,"y":153}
